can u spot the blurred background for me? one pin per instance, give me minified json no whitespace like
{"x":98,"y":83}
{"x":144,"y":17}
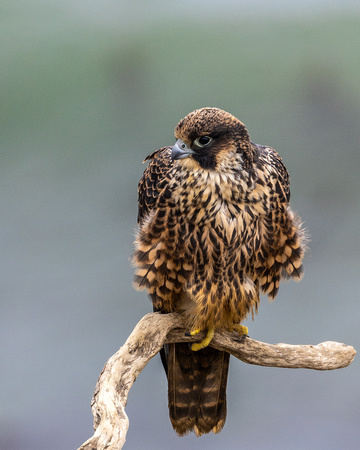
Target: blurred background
{"x":88,"y":89}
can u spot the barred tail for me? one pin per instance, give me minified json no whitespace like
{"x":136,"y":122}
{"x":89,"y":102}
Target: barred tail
{"x":196,"y":388}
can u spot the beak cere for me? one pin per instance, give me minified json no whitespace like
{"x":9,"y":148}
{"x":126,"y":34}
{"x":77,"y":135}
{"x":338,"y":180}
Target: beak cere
{"x":180,"y":150}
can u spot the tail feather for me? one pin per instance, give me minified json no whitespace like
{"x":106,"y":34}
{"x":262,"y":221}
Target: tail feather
{"x":196,"y":388}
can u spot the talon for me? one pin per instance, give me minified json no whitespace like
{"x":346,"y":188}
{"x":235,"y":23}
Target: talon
{"x":241,"y":329}
{"x":205,"y":342}
{"x":195,"y":332}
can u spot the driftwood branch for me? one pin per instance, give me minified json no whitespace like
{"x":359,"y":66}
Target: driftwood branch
{"x":152,"y":332}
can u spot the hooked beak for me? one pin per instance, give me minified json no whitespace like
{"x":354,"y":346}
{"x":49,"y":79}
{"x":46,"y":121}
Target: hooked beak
{"x":180,"y":150}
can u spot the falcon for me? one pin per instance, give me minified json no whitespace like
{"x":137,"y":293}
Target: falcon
{"x":215,"y":230}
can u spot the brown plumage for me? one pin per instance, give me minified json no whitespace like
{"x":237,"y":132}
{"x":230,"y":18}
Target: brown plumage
{"x":215,"y":229}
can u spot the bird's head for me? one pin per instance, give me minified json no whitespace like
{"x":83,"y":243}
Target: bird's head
{"x":212,"y":139}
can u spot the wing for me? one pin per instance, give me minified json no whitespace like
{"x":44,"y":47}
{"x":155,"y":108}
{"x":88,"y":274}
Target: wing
{"x":282,"y":183}
{"x":281,"y":240}
{"x":279,"y":175}
{"x":155,"y":178}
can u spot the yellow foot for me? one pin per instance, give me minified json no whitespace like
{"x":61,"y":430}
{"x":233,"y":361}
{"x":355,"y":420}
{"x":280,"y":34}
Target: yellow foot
{"x":194,"y":332}
{"x":241,"y":329}
{"x":205,"y":342}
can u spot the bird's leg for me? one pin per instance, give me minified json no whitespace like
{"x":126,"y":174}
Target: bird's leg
{"x":205,"y":342}
{"x":241,"y":329}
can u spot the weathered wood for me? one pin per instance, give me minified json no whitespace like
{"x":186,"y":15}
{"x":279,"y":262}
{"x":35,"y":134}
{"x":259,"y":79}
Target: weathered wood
{"x":152,"y":332}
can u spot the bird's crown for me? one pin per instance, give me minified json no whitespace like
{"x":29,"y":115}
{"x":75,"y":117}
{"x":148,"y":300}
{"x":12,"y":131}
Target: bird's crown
{"x":209,"y":121}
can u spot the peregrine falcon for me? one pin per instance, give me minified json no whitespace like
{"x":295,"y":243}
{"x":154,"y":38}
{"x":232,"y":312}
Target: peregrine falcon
{"x":215,"y":230}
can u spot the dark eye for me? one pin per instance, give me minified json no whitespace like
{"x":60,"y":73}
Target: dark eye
{"x":202,"y":141}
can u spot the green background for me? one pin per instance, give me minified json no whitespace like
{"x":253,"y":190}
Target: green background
{"x":88,"y":89}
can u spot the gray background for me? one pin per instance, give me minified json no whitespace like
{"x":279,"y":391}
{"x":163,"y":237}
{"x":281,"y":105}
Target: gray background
{"x":88,"y":89}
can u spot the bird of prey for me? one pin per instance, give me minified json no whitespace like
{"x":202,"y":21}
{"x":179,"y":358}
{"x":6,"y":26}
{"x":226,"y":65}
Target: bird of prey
{"x":215,"y":229}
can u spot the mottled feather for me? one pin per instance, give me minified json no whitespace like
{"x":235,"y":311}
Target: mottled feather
{"x":215,"y":230}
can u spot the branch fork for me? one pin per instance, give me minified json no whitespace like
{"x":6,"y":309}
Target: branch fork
{"x":149,"y":336}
